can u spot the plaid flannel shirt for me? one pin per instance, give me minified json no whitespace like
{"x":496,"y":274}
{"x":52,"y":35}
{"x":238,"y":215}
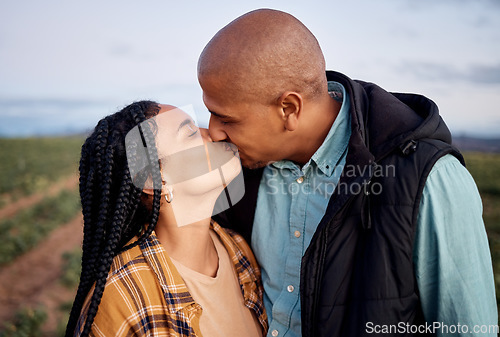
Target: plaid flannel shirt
{"x":146,"y":296}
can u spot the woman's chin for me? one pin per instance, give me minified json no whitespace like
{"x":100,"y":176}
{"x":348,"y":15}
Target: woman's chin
{"x":212,"y":182}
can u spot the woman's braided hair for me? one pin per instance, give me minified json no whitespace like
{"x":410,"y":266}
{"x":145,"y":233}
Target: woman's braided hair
{"x":112,"y":203}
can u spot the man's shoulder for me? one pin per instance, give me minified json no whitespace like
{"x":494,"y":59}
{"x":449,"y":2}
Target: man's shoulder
{"x":448,"y":161}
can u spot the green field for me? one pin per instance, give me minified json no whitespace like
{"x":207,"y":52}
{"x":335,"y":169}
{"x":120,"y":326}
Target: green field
{"x":485,"y":168}
{"x":30,"y":226}
{"x":30,"y":165}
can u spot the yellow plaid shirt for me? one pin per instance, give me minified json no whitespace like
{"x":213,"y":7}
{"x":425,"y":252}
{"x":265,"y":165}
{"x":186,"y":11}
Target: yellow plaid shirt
{"x":146,"y":296}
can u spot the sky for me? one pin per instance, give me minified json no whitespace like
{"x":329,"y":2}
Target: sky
{"x":64,"y":65}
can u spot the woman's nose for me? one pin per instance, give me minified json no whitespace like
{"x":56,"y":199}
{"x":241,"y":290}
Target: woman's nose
{"x":205,"y":135}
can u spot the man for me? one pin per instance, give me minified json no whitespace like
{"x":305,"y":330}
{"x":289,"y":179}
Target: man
{"x":358,"y":209}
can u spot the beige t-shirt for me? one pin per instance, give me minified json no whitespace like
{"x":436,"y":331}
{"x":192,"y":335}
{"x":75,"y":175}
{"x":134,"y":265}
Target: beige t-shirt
{"x":224,"y":311}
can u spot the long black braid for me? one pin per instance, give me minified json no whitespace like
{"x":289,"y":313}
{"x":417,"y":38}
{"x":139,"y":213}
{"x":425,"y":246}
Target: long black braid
{"x":112,"y":203}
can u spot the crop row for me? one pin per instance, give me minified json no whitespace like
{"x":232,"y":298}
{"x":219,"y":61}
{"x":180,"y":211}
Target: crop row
{"x":28,"y":227}
{"x":29,"y":321}
{"x":32,"y":164}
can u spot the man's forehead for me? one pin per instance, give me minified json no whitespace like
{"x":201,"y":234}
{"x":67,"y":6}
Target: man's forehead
{"x":222,"y":105}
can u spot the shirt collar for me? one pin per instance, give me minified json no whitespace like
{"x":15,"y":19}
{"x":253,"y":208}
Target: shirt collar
{"x":175,"y":290}
{"x":246,"y":273}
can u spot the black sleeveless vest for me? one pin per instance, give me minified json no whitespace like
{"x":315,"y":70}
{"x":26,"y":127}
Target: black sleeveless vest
{"x":357,"y":273}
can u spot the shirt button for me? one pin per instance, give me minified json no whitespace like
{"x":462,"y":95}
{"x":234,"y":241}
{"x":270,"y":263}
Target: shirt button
{"x":300,"y":180}
{"x":297,"y":234}
{"x":274,"y":333}
{"x":290,"y":288}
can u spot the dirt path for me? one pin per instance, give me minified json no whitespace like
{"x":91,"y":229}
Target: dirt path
{"x":33,"y":278}
{"x":12,"y":208}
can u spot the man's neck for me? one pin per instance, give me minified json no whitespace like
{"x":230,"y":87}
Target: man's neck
{"x":319,"y":122}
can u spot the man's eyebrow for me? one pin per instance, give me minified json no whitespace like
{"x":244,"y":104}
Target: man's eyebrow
{"x":218,"y":115}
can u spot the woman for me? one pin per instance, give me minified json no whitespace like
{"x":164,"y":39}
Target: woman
{"x":153,"y":262}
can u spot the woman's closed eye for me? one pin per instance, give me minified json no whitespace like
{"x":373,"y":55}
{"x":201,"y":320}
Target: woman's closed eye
{"x":188,"y":129}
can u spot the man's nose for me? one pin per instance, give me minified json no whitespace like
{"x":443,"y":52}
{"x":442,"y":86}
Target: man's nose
{"x":216,"y":131}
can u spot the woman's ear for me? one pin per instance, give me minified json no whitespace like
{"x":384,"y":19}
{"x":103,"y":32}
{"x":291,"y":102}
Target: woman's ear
{"x":164,"y":189}
{"x":291,"y":106}
{"x":149,"y":182}
{"x":148,"y":191}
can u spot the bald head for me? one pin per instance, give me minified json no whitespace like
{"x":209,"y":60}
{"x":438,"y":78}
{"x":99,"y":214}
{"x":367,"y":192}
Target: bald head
{"x":261,"y":55}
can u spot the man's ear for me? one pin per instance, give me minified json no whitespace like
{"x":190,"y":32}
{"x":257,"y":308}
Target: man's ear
{"x":291,"y":104}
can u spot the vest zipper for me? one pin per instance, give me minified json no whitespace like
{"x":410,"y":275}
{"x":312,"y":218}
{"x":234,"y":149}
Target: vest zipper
{"x":323,"y":245}
{"x":366,"y":219}
{"x":319,"y":279}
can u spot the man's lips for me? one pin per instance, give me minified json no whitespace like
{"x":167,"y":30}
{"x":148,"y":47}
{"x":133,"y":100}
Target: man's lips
{"x":231,"y":147}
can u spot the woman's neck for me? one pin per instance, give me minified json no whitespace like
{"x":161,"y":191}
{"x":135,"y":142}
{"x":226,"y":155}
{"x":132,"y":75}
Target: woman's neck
{"x":190,"y":245}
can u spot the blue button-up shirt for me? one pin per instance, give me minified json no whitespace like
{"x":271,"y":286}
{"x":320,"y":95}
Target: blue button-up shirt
{"x":455,"y":284}
{"x":293,"y":200}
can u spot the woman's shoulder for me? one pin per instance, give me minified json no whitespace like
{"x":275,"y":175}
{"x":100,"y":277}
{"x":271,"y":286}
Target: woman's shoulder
{"x":123,"y":262}
{"x":134,"y":290}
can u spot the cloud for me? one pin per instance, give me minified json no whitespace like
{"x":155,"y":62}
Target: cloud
{"x":484,"y":74}
{"x":432,"y":4}
{"x":477,"y":73}
{"x":120,"y":50}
